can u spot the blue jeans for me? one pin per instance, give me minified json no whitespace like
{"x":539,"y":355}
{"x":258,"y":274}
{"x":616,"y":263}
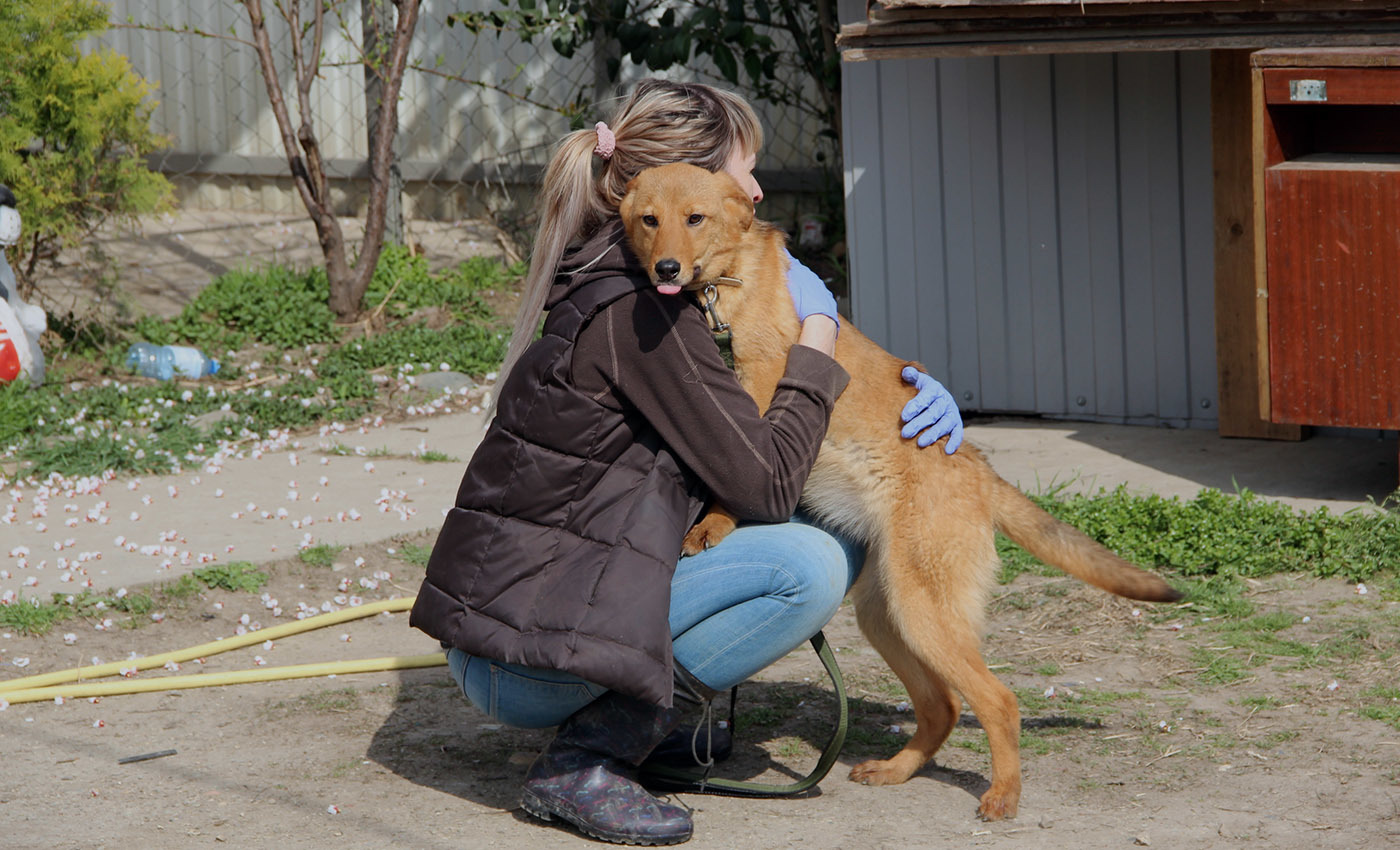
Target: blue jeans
{"x":735,"y":609}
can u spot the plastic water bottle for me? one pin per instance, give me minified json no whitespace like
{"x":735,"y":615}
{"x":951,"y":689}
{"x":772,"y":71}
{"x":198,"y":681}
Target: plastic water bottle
{"x":167,"y":361}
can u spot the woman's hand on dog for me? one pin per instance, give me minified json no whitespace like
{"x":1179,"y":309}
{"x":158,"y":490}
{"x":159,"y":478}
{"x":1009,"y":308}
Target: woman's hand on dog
{"x":809,"y":293}
{"x":931,"y":414}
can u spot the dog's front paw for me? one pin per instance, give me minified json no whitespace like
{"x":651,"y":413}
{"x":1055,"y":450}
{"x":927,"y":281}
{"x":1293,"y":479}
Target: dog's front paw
{"x":706,"y":533}
{"x":999,"y":803}
{"x":879,"y":772}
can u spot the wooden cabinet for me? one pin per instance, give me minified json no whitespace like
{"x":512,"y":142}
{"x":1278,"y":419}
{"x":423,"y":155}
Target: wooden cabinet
{"x":1327,"y":171}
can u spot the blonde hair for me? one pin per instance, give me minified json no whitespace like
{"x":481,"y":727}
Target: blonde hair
{"x":658,"y":123}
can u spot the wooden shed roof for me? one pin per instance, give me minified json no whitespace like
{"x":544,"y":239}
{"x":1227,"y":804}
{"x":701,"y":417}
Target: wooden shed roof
{"x":915,"y":28}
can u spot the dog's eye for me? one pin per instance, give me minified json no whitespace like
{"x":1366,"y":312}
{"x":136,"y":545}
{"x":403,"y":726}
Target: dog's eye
{"x":649,"y":220}
{"x":695,"y":218}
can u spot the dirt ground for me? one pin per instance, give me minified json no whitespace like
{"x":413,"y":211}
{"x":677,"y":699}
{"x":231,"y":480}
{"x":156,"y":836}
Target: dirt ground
{"x":1164,"y":729}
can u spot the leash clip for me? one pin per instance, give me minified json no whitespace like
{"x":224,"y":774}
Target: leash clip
{"x":711,"y":303}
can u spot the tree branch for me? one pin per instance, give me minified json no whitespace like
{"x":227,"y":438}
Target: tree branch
{"x":182,"y":30}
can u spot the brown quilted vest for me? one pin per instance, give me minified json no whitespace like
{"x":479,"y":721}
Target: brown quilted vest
{"x":568,"y":523}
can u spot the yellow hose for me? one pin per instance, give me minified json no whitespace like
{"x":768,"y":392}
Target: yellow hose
{"x":46,"y":686}
{"x":236,"y":677}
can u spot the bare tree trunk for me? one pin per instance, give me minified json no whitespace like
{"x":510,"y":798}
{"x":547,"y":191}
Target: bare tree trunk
{"x":303,"y":149}
{"x":377,"y":19}
{"x":381,"y":156}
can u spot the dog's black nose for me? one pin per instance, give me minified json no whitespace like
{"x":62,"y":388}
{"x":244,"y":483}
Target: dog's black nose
{"x":668,"y":269}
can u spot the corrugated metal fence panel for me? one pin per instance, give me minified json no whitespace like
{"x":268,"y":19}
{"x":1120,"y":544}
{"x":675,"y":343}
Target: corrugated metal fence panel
{"x":1043,"y":226}
{"x":212,"y":100}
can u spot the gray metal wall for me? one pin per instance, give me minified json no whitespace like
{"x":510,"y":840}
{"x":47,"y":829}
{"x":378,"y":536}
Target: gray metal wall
{"x":1037,"y":230}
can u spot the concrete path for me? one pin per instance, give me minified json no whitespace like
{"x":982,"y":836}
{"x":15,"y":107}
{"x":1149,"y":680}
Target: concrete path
{"x":303,"y":490}
{"x":359,"y":485}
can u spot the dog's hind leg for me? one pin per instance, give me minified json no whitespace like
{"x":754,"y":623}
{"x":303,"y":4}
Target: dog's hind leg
{"x":936,"y":708}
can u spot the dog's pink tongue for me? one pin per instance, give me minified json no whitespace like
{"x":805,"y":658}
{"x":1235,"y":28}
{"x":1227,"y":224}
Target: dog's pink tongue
{"x":668,"y":288}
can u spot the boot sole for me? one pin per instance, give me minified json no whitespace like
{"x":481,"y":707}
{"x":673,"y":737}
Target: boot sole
{"x":546,"y":811}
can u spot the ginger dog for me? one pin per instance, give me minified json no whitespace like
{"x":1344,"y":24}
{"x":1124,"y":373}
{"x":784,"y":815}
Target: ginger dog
{"x":927,"y":519}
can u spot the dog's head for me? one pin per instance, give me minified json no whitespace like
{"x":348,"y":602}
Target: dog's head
{"x":684,"y":223}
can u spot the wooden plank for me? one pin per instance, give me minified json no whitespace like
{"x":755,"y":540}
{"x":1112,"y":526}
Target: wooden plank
{"x":1358,"y":57}
{"x":1108,"y":40}
{"x":1344,"y":86}
{"x":1237,"y":339}
{"x":1334,"y":332}
{"x":1198,"y":234}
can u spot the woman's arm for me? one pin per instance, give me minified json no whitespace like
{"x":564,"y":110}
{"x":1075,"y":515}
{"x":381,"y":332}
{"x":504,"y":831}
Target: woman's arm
{"x":655,"y":353}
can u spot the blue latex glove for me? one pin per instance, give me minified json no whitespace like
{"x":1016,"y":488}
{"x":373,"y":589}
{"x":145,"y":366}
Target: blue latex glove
{"x":809,"y":294}
{"x":932,"y":413}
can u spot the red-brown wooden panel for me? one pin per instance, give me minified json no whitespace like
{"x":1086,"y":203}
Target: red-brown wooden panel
{"x":1333,"y":246}
{"x":1345,"y":86}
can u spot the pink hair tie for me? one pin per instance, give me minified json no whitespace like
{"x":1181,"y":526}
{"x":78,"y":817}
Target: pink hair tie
{"x":607,"y":141}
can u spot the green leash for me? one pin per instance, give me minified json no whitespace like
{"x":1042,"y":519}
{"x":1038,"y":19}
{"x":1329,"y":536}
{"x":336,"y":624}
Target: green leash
{"x":676,"y":779}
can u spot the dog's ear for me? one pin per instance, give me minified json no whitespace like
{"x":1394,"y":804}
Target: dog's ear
{"x":738,"y":206}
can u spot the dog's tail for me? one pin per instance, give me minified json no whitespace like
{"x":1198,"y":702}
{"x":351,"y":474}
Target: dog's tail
{"x":1066,"y":547}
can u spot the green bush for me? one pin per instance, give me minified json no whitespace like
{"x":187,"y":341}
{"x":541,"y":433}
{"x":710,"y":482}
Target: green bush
{"x":74,"y":126}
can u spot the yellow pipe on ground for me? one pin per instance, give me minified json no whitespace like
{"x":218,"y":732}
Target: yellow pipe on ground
{"x":235,"y":677}
{"x":99,"y":671}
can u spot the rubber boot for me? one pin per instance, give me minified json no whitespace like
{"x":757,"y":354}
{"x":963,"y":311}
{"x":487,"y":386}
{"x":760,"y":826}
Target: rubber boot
{"x":587,"y":774}
{"x":689,"y":745}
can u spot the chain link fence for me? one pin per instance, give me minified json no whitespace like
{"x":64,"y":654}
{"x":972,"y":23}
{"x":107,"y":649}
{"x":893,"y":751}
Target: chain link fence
{"x":478,"y":115}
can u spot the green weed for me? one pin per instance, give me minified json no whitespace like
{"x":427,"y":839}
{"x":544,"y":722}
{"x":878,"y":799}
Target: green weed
{"x":33,"y":617}
{"x":235,"y":576}
{"x":320,"y":556}
{"x":1220,"y":538}
{"x":1386,"y":705}
{"x":414,"y":553}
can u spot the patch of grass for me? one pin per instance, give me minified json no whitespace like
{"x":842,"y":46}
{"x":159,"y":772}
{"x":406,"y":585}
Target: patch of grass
{"x":1232,"y":534}
{"x":320,"y":556}
{"x":1260,"y":702}
{"x":33,"y":617}
{"x":234,"y":576}
{"x":789,"y":747}
{"x":1084,"y":705}
{"x":342,"y":450}
{"x":92,"y":415}
{"x":413,"y":553}
{"x":1383,"y":705}
{"x":1218,"y":667}
{"x":327,"y":701}
{"x":432,"y":456}
{"x":181,"y":588}
{"x":1046,"y":669}
{"x":872,"y":739}
{"x":1274,"y":739}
